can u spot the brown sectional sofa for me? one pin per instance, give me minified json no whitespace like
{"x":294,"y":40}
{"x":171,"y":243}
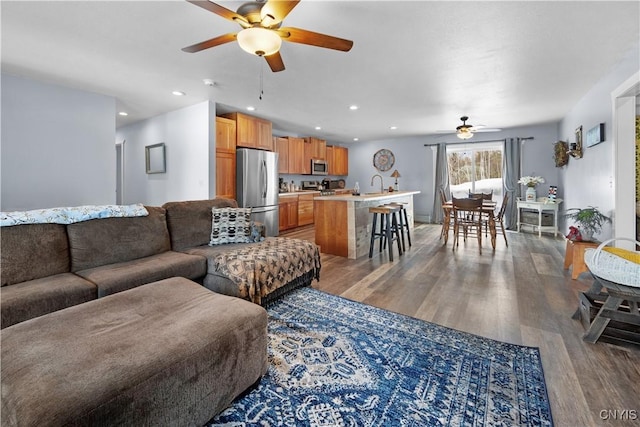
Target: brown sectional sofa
{"x":48,"y":267}
{"x":101,"y":315}
{"x":168,"y":353}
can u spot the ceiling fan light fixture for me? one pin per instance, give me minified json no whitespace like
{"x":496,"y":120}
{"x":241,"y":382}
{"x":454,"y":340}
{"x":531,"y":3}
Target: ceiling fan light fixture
{"x":464,"y":133}
{"x":259,"y":41}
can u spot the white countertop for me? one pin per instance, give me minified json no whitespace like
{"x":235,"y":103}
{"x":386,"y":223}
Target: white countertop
{"x":296,"y":193}
{"x":367,"y":197}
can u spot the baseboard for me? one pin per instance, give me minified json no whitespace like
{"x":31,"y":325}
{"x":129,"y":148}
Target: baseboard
{"x":422,"y":218}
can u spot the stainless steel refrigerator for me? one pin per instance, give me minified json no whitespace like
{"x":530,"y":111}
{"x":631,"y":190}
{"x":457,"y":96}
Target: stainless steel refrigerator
{"x":257,"y":186}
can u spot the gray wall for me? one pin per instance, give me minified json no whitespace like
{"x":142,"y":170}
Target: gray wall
{"x":57,"y":146}
{"x":189,"y":138}
{"x":415,"y":162}
{"x":591,"y":178}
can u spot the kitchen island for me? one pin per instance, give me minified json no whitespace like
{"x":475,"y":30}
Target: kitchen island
{"x":343,"y":222}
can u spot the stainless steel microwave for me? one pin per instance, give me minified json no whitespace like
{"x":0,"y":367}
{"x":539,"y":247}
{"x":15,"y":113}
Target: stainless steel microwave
{"x":319,"y":167}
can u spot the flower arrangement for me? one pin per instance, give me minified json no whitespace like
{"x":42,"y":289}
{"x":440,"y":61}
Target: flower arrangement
{"x":531,"y":181}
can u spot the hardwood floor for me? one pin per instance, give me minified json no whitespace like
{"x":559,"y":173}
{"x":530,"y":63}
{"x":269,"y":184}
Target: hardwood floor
{"x":519,"y":294}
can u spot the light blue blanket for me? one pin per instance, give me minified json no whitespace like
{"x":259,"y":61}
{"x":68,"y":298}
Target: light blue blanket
{"x":69,"y":215}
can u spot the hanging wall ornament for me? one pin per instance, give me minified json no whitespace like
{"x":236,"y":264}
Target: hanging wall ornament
{"x":561,"y":153}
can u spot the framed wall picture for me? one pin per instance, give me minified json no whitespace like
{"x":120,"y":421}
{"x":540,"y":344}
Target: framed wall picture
{"x":595,"y":135}
{"x":155,"y":158}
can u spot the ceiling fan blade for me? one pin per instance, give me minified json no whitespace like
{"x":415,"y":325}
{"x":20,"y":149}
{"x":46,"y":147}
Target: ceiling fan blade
{"x":216,"y":41}
{"x":221,"y":11}
{"x":297,"y":35}
{"x":274,"y":11}
{"x":275,"y":62}
{"x":487,"y":130}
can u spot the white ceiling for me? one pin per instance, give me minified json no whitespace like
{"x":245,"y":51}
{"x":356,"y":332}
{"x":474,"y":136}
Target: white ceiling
{"x":417,"y":65}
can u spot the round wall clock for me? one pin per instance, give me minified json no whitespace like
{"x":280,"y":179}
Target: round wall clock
{"x":383,"y":160}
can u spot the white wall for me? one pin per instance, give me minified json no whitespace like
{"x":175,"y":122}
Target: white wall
{"x":189,"y":138}
{"x":589,"y":181}
{"x":415,"y":162}
{"x":56,"y":146}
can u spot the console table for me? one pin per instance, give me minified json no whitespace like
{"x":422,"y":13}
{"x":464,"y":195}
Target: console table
{"x":541,"y":205}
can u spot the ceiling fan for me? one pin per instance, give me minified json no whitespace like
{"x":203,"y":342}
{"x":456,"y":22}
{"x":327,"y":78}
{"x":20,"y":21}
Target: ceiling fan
{"x":465,"y":131}
{"x":262,"y":33}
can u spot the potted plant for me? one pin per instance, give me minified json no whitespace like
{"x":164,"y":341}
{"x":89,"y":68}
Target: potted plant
{"x":589,"y":220}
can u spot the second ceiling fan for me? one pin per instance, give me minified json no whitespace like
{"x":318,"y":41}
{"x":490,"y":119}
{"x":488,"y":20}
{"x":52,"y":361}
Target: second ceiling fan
{"x":262,"y":34}
{"x":465,"y":131}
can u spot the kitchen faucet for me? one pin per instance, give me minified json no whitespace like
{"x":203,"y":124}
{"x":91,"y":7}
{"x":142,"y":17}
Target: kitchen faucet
{"x":381,"y":183}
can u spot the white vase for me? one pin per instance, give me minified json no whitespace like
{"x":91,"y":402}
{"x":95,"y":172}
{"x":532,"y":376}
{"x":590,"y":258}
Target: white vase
{"x":531,"y":194}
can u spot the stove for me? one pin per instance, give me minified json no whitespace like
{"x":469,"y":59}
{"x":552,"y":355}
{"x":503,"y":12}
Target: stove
{"x":327,"y":193}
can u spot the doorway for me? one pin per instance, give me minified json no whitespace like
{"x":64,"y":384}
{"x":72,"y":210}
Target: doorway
{"x":624,"y":101}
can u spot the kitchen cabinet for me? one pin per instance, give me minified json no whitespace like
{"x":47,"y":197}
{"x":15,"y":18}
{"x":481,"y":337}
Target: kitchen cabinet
{"x":225,"y":158}
{"x":330,"y":160}
{"x":296,"y":156}
{"x":314,"y":149}
{"x":288,"y":212}
{"x":225,"y":175}
{"x":282,"y":148}
{"x":252,"y":132}
{"x":340,"y":161}
{"x":305,"y":209}
{"x":290,"y":155}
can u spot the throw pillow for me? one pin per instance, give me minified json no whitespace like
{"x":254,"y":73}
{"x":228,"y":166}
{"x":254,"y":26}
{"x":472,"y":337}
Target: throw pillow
{"x":230,"y":225}
{"x":256,"y":232}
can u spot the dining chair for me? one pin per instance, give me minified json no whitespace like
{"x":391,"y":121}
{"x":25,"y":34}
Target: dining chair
{"x":484,"y":196}
{"x":447,"y":218}
{"x":467,"y":217}
{"x":500,"y":218}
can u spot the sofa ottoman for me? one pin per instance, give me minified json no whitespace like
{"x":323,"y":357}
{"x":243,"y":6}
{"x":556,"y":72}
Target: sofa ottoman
{"x":166,"y":353}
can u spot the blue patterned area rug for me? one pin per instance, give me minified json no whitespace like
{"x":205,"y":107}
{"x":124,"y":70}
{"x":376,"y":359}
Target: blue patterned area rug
{"x":335,"y":362}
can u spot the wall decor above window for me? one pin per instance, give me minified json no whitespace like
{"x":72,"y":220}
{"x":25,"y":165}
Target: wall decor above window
{"x":595,"y":135}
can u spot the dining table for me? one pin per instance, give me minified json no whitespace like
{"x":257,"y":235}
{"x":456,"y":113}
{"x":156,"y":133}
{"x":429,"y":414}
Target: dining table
{"x":488,"y":209}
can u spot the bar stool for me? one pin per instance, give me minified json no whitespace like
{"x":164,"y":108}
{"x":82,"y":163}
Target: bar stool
{"x":404,"y":223}
{"x":389,"y":228}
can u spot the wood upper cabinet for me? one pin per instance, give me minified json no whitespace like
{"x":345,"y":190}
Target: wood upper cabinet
{"x":225,"y":158}
{"x":340,"y":161}
{"x":282,"y":148}
{"x":314,"y":148}
{"x":330,"y":162}
{"x":296,"y":156}
{"x":264,"y":130}
{"x":225,"y":134}
{"x":252,"y":132}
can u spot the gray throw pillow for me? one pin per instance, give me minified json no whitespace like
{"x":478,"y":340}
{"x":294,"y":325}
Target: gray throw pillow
{"x":230,"y":225}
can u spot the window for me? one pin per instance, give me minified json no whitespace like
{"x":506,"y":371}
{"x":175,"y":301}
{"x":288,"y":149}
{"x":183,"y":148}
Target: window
{"x":475,"y":168}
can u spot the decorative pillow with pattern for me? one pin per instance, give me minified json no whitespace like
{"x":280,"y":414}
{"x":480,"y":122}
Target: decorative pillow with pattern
{"x":230,"y":225}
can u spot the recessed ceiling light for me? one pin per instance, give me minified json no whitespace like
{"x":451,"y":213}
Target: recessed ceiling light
{"x":178,"y":93}
{"x":318,"y":128}
{"x":123,"y":113}
{"x":356,"y":139}
{"x":393,"y":127}
{"x":208,"y":82}
{"x":251,"y":108}
{"x":353,"y":107}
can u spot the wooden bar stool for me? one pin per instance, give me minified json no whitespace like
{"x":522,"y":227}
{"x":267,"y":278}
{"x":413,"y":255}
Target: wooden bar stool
{"x":389,"y":229}
{"x":404,"y":223}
